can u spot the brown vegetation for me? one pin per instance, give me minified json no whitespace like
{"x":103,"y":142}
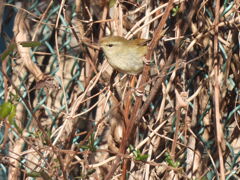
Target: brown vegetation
{"x":178,"y":119}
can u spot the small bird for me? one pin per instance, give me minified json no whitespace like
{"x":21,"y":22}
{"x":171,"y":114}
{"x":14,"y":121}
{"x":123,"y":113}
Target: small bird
{"x":126,"y":56}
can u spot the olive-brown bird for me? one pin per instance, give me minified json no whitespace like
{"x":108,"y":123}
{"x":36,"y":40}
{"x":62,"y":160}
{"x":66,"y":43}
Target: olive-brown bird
{"x":126,"y":56}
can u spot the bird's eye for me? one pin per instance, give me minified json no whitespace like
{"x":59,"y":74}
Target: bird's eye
{"x":110,"y":45}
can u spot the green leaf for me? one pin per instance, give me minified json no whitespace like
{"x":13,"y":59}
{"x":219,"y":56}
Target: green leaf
{"x":171,"y":162}
{"x":42,"y":174}
{"x":8,"y":51}
{"x":5,"y":109}
{"x":142,"y":157}
{"x":91,"y":171}
{"x":12,"y":46}
{"x":112,"y":3}
{"x":8,"y":109}
{"x":90,"y":144}
{"x":175,"y":10}
{"x":12,"y":114}
{"x":30,"y":43}
{"x":137,"y":154}
{"x":34,"y":174}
